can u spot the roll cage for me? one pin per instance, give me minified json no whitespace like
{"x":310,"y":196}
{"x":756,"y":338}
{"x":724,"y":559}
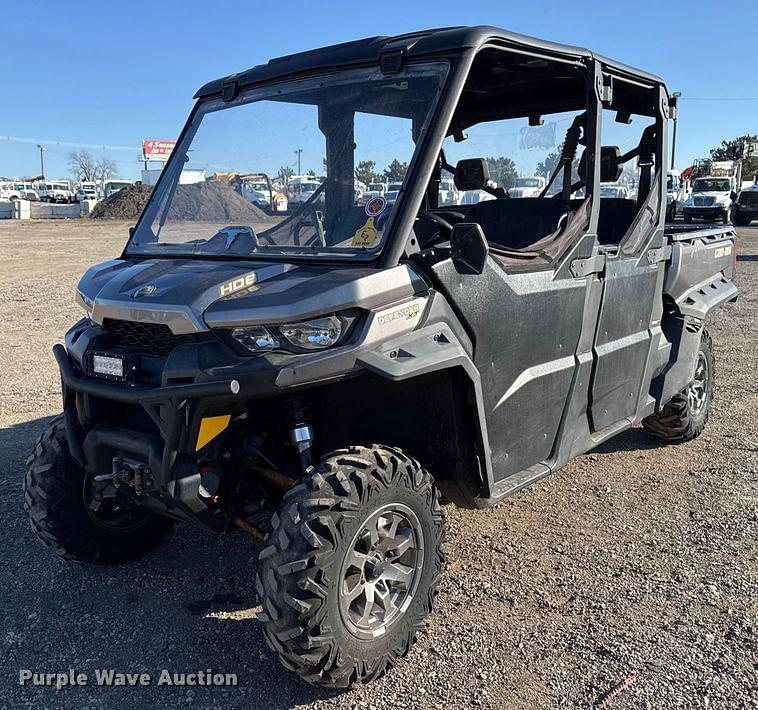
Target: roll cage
{"x":554,"y":77}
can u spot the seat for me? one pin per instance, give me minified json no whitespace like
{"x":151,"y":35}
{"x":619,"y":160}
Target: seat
{"x":615,"y":217}
{"x":518,"y":223}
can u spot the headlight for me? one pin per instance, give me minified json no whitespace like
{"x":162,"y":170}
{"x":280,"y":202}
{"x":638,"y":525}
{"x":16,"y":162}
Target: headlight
{"x":316,"y":334}
{"x":256,"y":338}
{"x":313,"y":334}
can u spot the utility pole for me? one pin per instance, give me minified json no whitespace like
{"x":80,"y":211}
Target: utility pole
{"x":41,"y":161}
{"x":298,"y":153}
{"x":676,"y":95}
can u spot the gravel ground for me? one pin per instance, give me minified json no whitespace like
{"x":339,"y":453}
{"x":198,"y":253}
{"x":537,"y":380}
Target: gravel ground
{"x":635,"y":559}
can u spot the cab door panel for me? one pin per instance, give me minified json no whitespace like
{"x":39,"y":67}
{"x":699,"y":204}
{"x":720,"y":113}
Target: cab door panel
{"x":623,"y":340}
{"x":525,"y":327}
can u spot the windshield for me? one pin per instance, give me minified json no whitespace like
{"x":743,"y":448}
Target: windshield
{"x":711,"y":185}
{"x":527,"y":182}
{"x":315,"y":137}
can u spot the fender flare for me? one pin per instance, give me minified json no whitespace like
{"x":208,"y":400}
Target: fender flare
{"x":432,"y":348}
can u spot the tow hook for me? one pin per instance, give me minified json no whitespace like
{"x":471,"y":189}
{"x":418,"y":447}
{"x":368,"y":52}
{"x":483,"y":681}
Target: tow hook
{"x":133,"y":473}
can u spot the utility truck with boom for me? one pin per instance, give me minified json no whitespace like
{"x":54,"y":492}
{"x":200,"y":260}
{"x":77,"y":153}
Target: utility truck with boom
{"x":326,"y":379}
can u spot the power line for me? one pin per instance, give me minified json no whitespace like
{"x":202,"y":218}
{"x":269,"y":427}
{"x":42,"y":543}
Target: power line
{"x":67,"y":144}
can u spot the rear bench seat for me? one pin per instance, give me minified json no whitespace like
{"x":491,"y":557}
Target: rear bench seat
{"x":518,"y":223}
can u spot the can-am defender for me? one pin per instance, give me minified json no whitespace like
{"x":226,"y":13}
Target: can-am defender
{"x":320,"y":377}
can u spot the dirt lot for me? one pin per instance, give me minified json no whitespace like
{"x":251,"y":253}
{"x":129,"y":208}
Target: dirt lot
{"x":636,"y":558}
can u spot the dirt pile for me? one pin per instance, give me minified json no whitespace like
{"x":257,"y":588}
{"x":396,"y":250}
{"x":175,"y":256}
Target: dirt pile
{"x":211,"y":202}
{"x":125,"y":204}
{"x":200,"y":202}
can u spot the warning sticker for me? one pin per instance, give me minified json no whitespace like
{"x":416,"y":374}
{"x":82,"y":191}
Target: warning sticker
{"x":365,"y":236}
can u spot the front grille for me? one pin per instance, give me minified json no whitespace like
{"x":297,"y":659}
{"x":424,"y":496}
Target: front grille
{"x":147,"y":338}
{"x":704,"y":201}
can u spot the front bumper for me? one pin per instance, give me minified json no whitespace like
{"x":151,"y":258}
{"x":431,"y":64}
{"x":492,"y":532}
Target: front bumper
{"x":712,"y":211}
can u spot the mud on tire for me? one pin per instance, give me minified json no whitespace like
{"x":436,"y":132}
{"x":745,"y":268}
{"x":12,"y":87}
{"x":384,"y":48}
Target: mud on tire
{"x":300,"y":573}
{"x":55,"y":503}
{"x":680,"y":420}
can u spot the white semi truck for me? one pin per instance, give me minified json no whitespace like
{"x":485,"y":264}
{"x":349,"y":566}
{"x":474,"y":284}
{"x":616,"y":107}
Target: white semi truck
{"x":528,"y":186}
{"x":714,"y":190}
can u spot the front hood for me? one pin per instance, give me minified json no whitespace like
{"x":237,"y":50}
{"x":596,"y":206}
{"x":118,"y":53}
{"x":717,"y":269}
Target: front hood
{"x":192,"y":295}
{"x":715,"y":195}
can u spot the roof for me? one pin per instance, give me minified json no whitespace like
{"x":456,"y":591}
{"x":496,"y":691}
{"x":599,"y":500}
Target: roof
{"x":415,"y":45}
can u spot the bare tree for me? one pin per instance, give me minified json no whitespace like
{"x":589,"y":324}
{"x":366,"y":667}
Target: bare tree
{"x":105,"y":168}
{"x":82,"y":165}
{"x":86,"y":169}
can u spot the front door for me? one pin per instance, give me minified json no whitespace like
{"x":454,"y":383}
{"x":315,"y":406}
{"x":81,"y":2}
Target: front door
{"x":526,"y":327}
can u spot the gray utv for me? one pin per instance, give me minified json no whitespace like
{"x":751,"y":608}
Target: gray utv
{"x":325,"y":376}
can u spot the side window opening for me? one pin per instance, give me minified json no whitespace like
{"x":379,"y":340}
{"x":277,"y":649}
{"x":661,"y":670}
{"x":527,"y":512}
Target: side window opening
{"x":511,"y":160}
{"x":629,"y":129}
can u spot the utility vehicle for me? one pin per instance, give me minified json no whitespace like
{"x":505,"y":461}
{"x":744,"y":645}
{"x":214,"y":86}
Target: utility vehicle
{"x":56,"y":191}
{"x":324,"y":379}
{"x":111,"y":187}
{"x":745,"y":207}
{"x":714,"y":190}
{"x":527,"y":187}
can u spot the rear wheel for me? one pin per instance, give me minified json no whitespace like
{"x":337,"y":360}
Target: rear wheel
{"x":684,"y":417}
{"x":80,"y":519}
{"x":352,"y":566}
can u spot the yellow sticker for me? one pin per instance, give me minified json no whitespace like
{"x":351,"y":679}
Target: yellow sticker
{"x":365,"y":236}
{"x":722,"y":251}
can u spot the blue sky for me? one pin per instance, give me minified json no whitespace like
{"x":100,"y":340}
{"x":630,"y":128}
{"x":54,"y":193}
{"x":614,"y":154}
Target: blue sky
{"x":115,"y":73}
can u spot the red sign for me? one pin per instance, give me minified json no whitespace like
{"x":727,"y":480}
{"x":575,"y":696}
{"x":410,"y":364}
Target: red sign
{"x":157,"y":150}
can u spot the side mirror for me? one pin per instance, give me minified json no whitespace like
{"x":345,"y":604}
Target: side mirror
{"x":733,"y":195}
{"x":468,"y":248}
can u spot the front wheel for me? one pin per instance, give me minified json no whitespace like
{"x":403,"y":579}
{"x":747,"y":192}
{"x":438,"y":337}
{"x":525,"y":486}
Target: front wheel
{"x":78,"y":518}
{"x":684,"y":417}
{"x":352,"y":566}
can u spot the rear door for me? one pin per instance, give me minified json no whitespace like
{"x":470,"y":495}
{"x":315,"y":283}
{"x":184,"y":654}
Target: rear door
{"x":628,"y":338}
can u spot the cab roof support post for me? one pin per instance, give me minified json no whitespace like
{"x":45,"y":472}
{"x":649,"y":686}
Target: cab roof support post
{"x":593,"y":138}
{"x":426,"y":159}
{"x":338,"y":127}
{"x":665,"y":111}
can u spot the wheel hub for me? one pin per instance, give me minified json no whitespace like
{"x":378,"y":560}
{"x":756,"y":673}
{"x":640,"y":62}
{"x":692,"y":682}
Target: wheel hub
{"x":381,"y":570}
{"x":697,"y":391}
